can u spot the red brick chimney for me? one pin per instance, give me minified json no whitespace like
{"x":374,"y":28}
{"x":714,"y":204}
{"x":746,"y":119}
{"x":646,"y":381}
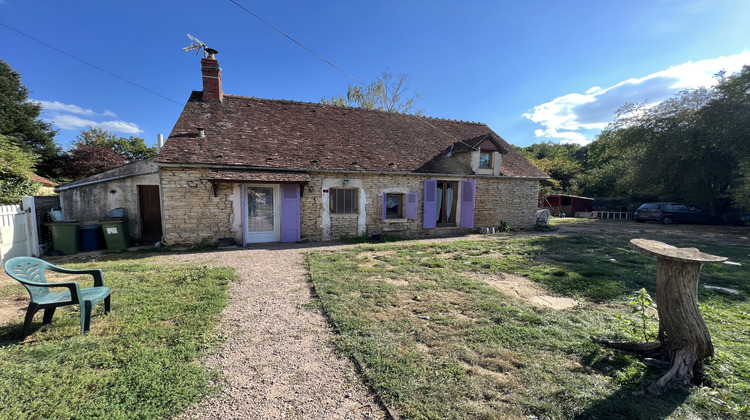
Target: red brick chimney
{"x":212,"y":91}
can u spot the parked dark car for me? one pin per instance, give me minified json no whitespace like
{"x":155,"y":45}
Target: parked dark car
{"x":668,"y":213}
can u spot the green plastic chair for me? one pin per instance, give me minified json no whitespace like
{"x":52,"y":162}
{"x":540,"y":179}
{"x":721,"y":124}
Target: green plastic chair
{"x":30,"y":271}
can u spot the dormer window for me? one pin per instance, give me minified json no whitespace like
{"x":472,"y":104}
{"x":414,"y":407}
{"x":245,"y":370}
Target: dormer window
{"x":485,"y":160}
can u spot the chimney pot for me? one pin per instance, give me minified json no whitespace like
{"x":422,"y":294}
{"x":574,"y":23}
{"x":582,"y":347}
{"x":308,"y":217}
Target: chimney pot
{"x":201,"y":132}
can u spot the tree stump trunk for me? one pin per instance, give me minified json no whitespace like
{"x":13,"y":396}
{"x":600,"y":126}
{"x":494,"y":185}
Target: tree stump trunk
{"x":682,"y":330}
{"x":683,"y":334}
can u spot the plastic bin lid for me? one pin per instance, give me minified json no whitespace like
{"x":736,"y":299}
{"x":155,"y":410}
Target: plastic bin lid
{"x":117,"y":213}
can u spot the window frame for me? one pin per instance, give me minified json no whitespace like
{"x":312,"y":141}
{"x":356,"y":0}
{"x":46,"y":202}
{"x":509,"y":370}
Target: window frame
{"x":333,"y":193}
{"x":442,"y":207}
{"x":489,"y":154}
{"x":401,"y":206}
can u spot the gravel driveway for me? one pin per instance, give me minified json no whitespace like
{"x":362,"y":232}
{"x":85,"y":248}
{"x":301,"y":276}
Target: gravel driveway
{"x":278,"y":361}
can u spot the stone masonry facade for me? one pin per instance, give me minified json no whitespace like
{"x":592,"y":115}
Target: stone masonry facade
{"x":190,"y":211}
{"x":193,"y":214}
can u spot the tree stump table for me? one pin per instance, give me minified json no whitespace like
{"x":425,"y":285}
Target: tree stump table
{"x":683,"y":334}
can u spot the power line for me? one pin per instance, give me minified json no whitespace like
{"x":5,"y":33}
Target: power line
{"x":91,"y":65}
{"x":422,"y":119}
{"x":296,"y":42}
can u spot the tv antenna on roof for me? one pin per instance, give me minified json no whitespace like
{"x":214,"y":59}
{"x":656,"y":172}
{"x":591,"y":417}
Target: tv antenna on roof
{"x":197,"y":44}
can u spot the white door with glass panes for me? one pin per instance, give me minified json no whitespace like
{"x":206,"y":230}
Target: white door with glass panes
{"x":262,"y":206}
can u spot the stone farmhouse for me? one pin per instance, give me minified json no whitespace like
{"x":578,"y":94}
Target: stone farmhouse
{"x":260,"y":170}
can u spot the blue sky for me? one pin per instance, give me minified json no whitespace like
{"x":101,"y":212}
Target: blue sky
{"x":533,"y":71}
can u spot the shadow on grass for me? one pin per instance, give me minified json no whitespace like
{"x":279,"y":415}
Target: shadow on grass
{"x":626,"y":404}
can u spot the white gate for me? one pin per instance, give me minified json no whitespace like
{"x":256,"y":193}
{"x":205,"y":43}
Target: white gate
{"x":14,"y":233}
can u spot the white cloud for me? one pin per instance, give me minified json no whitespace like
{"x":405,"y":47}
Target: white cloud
{"x":577,"y":117}
{"x":120,"y":127}
{"x":68,"y":122}
{"x":71,"y":117}
{"x":72,"y":122}
{"x":61,"y":107}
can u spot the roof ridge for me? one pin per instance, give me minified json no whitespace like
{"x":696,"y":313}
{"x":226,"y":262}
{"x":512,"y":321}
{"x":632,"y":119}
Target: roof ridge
{"x":353,"y":108}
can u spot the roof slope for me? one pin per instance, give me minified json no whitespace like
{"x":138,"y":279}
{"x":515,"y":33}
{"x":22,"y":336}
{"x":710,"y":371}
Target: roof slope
{"x":277,"y":134}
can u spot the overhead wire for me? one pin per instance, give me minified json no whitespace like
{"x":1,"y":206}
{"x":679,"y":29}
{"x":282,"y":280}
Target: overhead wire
{"x":422,"y":119}
{"x":91,"y":65}
{"x":296,"y":42}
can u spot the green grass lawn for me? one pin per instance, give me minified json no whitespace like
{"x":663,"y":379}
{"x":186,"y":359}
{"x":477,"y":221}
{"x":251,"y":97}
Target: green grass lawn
{"x":435,"y":340}
{"x":138,"y":362}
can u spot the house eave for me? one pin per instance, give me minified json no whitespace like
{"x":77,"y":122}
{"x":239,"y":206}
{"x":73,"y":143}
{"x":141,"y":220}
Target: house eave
{"x":340,"y":171}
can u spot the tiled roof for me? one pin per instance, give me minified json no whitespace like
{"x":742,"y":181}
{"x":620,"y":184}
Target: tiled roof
{"x":278,"y":134}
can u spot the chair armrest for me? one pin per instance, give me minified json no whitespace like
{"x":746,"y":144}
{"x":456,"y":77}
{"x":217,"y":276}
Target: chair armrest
{"x":95,"y":272}
{"x":75,"y":289}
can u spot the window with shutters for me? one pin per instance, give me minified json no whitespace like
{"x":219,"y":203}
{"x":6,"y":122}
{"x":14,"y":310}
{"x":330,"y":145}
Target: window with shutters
{"x":446,"y":200}
{"x":343,"y":200}
{"x":394,"y":206}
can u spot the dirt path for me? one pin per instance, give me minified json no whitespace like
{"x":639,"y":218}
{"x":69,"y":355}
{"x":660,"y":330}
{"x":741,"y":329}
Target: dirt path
{"x":278,"y":361}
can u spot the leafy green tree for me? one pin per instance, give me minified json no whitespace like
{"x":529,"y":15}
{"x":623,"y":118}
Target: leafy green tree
{"x":562,"y":162}
{"x":692,"y":147}
{"x":386,"y":93}
{"x":15,"y":166}
{"x":131,"y":148}
{"x":561,"y":171}
{"x":19,"y":121}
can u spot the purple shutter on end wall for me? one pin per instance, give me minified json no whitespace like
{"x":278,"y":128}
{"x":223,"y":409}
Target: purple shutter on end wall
{"x":411,"y":205}
{"x":384,"y":204}
{"x":429,"y":216}
{"x":290,"y":213}
{"x":467,"y":203}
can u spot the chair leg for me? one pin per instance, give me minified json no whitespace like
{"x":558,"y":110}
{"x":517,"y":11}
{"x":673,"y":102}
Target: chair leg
{"x":106,"y":304}
{"x":29,"y":317}
{"x":85,"y":316}
{"x":48,"y":315}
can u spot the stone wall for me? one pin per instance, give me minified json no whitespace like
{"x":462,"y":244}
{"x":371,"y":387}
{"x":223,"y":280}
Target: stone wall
{"x":191,"y":211}
{"x":509,"y":200}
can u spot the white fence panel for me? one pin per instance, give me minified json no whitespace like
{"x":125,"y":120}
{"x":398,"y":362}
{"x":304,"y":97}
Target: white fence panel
{"x":14,"y":233}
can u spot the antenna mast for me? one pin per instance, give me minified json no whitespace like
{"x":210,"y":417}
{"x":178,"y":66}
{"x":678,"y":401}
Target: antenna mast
{"x":197,"y":44}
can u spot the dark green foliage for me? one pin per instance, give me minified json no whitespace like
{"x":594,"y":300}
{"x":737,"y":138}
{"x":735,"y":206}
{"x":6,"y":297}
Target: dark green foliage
{"x":19,"y":121}
{"x":15,"y":166}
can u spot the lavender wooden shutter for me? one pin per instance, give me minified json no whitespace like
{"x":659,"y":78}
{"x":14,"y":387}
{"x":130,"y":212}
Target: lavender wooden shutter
{"x":430,"y":204}
{"x":467,"y":203}
{"x":411,"y":205}
{"x":385,"y":195}
{"x":290,"y":213}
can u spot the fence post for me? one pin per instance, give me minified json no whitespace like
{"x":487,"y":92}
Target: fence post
{"x":32,"y":229}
